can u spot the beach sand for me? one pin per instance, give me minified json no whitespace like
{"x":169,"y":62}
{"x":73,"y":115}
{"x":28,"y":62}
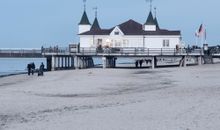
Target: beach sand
{"x":113,"y":99}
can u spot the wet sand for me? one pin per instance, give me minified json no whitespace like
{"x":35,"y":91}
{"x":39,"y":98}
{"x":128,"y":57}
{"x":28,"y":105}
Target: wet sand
{"x":107,"y":99}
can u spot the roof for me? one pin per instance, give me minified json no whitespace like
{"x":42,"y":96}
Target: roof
{"x":98,"y":32}
{"x":131,"y":27}
{"x":156,"y":22}
{"x":84,"y":20}
{"x":162,"y":32}
{"x":95,"y":24}
{"x":150,"y":20}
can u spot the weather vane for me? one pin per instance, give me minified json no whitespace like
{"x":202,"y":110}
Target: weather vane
{"x":96,"y":11}
{"x":150,"y":1}
{"x":155,"y":11}
{"x":84,"y":2}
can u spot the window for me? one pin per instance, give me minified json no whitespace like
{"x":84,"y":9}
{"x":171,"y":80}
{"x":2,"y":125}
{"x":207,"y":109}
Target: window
{"x":99,"y":41}
{"x":117,"y":43}
{"x":166,"y":43}
{"x":125,"y":43}
{"x":117,"y":33}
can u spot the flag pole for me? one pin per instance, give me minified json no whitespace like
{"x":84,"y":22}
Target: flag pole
{"x":196,"y":40}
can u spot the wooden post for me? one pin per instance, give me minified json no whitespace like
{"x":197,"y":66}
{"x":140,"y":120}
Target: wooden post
{"x":153,"y":63}
{"x":58,"y":62}
{"x":76,"y":62}
{"x":72,"y":62}
{"x":53,"y":63}
{"x":184,"y":61}
{"x":200,"y":60}
{"x":61,"y":62}
{"x":49,"y":63}
{"x":68,"y":62}
{"x":104,"y":62}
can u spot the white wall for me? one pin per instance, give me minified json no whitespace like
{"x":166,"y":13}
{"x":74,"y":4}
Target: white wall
{"x":157,"y":41}
{"x":84,"y":28}
{"x":86,"y":41}
{"x":150,"y":27}
{"x":129,"y":41}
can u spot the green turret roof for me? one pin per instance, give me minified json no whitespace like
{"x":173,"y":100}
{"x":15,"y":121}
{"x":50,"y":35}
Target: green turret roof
{"x":150,"y":19}
{"x":95,"y":24}
{"x":84,"y":19}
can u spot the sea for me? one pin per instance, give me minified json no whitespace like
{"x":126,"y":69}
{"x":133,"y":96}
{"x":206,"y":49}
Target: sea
{"x":11,"y":66}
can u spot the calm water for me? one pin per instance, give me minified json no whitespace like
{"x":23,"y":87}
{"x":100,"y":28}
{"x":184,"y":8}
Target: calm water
{"x":18,"y":65}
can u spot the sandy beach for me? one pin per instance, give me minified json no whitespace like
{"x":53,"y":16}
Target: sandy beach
{"x":113,"y":99}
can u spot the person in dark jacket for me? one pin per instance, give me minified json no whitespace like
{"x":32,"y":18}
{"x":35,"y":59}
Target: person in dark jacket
{"x":136,"y":63}
{"x":141,"y":62}
{"x":32,"y":68}
{"x":29,"y":68}
{"x":41,"y":70}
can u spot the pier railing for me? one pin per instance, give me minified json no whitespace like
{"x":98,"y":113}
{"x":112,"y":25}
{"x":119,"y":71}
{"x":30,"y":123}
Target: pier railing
{"x":20,"y":53}
{"x":129,"y":51}
{"x":55,"y":51}
{"x":139,"y":51}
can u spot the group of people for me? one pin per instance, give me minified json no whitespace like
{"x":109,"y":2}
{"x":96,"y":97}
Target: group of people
{"x":140,"y":62}
{"x":31,"y":69}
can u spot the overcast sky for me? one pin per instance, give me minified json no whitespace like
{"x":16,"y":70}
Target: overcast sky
{"x":33,"y":23}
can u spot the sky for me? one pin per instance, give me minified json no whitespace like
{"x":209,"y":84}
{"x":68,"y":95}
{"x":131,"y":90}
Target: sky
{"x":36,"y":23}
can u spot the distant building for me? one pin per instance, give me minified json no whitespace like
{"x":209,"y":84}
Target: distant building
{"x":127,"y":34}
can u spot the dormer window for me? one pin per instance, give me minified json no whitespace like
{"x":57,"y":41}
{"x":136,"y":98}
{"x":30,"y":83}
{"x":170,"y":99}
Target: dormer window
{"x":116,"y":32}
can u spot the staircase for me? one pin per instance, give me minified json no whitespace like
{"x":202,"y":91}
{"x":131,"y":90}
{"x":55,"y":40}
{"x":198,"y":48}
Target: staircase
{"x":208,"y":59}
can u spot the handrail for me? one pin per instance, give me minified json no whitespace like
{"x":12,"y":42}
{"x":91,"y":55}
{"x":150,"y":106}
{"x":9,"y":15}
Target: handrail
{"x":138,"y":51}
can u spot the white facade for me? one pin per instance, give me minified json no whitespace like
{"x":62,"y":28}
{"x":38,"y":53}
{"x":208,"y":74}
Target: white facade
{"x":150,"y":27}
{"x":84,"y":28}
{"x":129,"y":34}
{"x":138,"y":41}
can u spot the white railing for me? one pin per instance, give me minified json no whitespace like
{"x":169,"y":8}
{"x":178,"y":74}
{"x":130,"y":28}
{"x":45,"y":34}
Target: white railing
{"x":138,"y":51}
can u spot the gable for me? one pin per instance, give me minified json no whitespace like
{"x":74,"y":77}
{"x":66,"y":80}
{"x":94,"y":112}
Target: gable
{"x":116,"y":32}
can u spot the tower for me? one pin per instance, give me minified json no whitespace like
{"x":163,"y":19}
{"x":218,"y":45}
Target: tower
{"x":150,"y":24}
{"x":155,"y":18}
{"x":84,"y":24}
{"x":95,"y":25}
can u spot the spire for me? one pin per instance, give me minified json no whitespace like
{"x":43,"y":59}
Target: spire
{"x":95,"y":24}
{"x":150,"y":19}
{"x":150,"y":3}
{"x":84,"y":4}
{"x":84,"y":20}
{"x":155,"y":18}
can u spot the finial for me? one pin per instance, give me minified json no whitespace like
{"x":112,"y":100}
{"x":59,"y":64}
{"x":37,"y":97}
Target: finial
{"x":155,"y":11}
{"x":96,"y":11}
{"x":150,"y":1}
{"x":84,"y":2}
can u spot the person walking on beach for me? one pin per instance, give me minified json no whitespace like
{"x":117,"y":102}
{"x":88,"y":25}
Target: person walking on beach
{"x":32,"y":68}
{"x":41,"y":70}
{"x":136,"y":63}
{"x":141,"y":62}
{"x":29,"y":68}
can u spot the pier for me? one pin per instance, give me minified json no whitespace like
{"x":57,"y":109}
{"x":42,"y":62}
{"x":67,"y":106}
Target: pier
{"x":81,"y":58}
{"x":21,"y":53}
{"x":74,"y":57}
